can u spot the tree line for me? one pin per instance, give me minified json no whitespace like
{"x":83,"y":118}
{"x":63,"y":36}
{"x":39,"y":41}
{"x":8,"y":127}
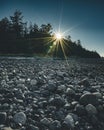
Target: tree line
{"x":16,"y":37}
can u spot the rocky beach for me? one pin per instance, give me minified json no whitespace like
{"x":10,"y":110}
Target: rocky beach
{"x":50,"y":94}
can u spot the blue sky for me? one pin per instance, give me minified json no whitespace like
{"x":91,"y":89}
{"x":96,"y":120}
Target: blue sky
{"x":84,"y":19}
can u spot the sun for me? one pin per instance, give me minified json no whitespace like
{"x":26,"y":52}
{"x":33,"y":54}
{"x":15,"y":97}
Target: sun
{"x":58,"y":36}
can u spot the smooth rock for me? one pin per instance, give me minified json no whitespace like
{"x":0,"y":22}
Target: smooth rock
{"x":91,"y":110}
{"x":6,"y":128}
{"x":33,"y":82}
{"x":51,"y":86}
{"x":84,"y":82}
{"x":70,"y":92}
{"x":57,"y":101}
{"x":61,"y":88}
{"x":32,"y":127}
{"x":3,"y":116}
{"x":80,"y":110}
{"x":45,"y":121}
{"x":55,"y":125}
{"x":97,"y":94}
{"x":88,"y":98}
{"x":94,"y":120}
{"x":20,"y":118}
{"x":68,"y":122}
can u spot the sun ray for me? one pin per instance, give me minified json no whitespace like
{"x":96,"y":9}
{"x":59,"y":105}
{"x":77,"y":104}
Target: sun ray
{"x":63,"y":49}
{"x":57,"y":45}
{"x":72,"y":28}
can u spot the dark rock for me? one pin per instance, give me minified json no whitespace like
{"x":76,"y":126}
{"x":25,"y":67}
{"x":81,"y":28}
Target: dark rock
{"x":61,"y":89}
{"x":60,"y":115}
{"x":67,"y":106}
{"x":57,"y":101}
{"x":94,"y":120}
{"x":73,"y":104}
{"x":88,"y":98}
{"x":84,"y":82}
{"x":80,"y":110}
{"x":97,"y":94}
{"x":91,"y":110}
{"x":51,"y":87}
{"x":55,"y":125}
{"x":32,"y":127}
{"x":3,"y":117}
{"x":45,"y":121}
{"x":5,"y":106}
{"x":68,"y":122}
{"x":70,"y":92}
{"x":4,"y":91}
{"x":45,"y":93}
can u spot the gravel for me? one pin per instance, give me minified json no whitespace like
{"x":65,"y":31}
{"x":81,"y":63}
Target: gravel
{"x":46,"y":94}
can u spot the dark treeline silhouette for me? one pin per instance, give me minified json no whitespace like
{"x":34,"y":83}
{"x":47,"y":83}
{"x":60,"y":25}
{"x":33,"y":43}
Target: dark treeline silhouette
{"x":16,"y":37}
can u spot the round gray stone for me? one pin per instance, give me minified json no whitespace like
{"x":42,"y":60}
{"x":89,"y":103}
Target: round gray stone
{"x":20,"y":118}
{"x":91,"y":110}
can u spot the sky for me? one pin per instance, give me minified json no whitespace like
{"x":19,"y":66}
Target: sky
{"x":82,"y":19}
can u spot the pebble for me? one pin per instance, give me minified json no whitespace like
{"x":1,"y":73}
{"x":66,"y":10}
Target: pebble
{"x":57,"y":101}
{"x":55,"y":125}
{"x":32,"y":127}
{"x":6,"y":128}
{"x":45,"y":121}
{"x":88,"y":98}
{"x":3,"y":117}
{"x":20,"y":117}
{"x":70,"y":92}
{"x":46,"y":94}
{"x":97,"y":94}
{"x":33,"y":82}
{"x":91,"y":110}
{"x":51,"y":86}
{"x":80,"y":110}
{"x":69,"y":122}
{"x":61,"y":89}
{"x":84,"y":82}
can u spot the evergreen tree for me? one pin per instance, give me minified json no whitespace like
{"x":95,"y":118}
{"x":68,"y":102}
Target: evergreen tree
{"x":17,"y":23}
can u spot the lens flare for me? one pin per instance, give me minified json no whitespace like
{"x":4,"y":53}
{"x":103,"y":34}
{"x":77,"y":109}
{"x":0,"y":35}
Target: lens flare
{"x":58,"y":36}
{"x":58,"y":45}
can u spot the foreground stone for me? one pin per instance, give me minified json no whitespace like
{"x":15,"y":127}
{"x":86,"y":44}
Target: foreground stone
{"x":20,"y":118}
{"x":68,"y":122}
{"x":91,"y":110}
{"x":6,"y":128}
{"x":88,"y":98}
{"x":47,"y":94}
{"x":3,"y":117}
